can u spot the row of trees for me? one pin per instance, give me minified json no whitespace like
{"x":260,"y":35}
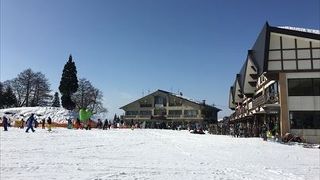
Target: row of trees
{"x":31,"y":88}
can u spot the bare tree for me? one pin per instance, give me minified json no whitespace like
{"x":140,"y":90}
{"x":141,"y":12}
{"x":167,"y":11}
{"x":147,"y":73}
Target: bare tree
{"x":30,"y":88}
{"x":41,"y":91}
{"x":88,"y":97}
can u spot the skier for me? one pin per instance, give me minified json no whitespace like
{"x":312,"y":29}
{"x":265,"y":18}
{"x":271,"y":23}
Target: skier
{"x":5,"y":123}
{"x":69,"y":123}
{"x":264,"y":132}
{"x":30,"y":122}
{"x":22,"y":124}
{"x":105,"y":124}
{"x":43,"y":123}
{"x":49,"y":121}
{"x":109,"y":124}
{"x":99,"y":124}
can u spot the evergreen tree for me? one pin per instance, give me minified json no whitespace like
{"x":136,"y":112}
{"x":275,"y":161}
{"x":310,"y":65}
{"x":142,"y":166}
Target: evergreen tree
{"x":10,"y":98}
{"x":1,"y":96}
{"x":7,"y":97}
{"x":68,"y":84}
{"x":56,"y":100}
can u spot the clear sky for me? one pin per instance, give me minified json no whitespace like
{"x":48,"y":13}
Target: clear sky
{"x":127,"y":47}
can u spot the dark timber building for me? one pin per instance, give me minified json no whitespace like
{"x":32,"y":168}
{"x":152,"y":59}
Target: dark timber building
{"x":162,"y":109}
{"x":279,"y":84}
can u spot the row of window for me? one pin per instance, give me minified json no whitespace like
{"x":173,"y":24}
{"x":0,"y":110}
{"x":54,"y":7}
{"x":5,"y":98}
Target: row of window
{"x":304,"y":87}
{"x":304,"y":119}
{"x":291,"y":54}
{"x":190,"y":113}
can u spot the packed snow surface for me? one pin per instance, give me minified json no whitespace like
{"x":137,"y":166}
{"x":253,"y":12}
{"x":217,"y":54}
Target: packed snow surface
{"x":149,"y":154}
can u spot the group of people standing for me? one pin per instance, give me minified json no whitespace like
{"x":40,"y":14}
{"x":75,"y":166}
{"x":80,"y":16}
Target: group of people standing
{"x":31,"y":123}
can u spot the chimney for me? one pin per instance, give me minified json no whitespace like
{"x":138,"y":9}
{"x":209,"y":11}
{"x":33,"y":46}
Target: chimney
{"x":203,"y":102}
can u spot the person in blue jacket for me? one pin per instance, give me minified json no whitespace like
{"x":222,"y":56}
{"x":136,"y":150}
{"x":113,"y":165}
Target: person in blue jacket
{"x":30,"y":122}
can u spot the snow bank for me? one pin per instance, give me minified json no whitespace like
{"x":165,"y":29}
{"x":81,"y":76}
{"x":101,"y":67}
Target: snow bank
{"x":57,"y":114}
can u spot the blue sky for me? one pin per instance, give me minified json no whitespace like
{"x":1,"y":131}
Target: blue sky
{"x":127,"y":47}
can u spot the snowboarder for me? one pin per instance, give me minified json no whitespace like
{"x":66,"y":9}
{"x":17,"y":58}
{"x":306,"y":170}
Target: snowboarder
{"x":49,"y":121}
{"x":43,"y":122}
{"x":30,"y":122}
{"x":5,"y":123}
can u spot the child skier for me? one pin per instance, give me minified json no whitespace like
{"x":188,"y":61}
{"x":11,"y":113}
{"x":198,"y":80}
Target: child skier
{"x":30,"y":122}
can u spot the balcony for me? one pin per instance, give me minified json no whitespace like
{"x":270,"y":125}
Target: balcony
{"x":144,"y":116}
{"x":265,"y":99}
{"x":130,"y":116}
{"x":174,"y":116}
{"x":137,"y":117}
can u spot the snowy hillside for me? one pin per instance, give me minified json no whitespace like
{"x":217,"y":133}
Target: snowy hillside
{"x":57,"y":114}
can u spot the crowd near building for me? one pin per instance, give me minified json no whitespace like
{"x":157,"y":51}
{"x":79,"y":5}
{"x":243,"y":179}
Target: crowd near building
{"x":162,"y":109}
{"x":279,"y":85}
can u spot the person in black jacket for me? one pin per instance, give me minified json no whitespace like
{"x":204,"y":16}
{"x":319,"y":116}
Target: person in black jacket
{"x":5,"y":123}
{"x":49,"y":121}
{"x":105,"y":124}
{"x":43,"y":122}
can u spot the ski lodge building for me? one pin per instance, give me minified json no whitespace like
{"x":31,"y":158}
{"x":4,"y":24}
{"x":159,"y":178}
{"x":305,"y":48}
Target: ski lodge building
{"x":162,"y":109}
{"x":279,"y":82}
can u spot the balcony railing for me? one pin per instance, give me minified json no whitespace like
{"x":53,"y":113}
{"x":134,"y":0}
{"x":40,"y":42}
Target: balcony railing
{"x":174,"y":116}
{"x":175,"y":104}
{"x":161,"y":116}
{"x":137,"y":116}
{"x":265,"y":99}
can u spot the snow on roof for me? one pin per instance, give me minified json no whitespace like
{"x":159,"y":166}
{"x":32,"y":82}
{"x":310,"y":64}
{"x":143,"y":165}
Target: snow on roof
{"x":313,"y":31}
{"x":190,"y":99}
{"x":187,"y":98}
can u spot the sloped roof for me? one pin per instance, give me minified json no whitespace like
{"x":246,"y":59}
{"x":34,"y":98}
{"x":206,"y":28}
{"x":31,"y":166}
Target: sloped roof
{"x":261,"y":46}
{"x":178,"y":96}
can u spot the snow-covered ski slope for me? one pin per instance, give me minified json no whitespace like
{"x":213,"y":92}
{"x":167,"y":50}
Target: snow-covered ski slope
{"x":149,"y":154}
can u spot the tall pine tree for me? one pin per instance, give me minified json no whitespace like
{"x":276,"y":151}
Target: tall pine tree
{"x":7,"y":97}
{"x":56,"y":100}
{"x":68,"y":84}
{"x":2,"y":100}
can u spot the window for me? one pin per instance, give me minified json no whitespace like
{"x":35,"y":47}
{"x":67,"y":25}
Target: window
{"x":145,"y":112}
{"x":190,"y":113}
{"x":304,"y":119}
{"x":160,"y":101}
{"x":304,"y":87}
{"x":129,"y":113}
{"x":175,"y":112}
{"x":160,"y":112}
